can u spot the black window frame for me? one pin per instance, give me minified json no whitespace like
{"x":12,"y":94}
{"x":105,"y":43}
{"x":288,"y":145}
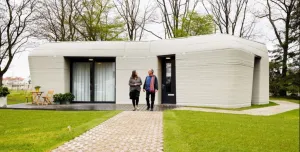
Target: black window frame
{"x":92,"y":76}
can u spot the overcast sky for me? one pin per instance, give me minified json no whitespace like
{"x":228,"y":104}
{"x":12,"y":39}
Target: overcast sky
{"x":20,"y":66}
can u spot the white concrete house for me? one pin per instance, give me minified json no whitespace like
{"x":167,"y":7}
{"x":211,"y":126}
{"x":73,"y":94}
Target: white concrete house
{"x":211,"y":70}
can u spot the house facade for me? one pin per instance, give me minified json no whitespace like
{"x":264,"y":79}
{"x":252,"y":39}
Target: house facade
{"x":211,"y":70}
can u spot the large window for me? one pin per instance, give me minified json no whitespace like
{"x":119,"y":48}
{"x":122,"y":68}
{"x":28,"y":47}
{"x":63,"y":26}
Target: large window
{"x":81,"y":81}
{"x":93,"y":80}
{"x":104,"y":81}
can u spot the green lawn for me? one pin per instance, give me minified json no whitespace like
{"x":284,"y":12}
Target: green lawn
{"x":16,"y":97}
{"x":26,"y":130}
{"x":285,"y":99}
{"x":201,"y":131}
{"x":239,"y":109}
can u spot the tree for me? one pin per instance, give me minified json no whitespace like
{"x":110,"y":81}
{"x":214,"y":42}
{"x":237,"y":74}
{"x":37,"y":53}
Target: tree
{"x":275,"y":81}
{"x":172,"y":13}
{"x":97,"y":23}
{"x":293,"y":81}
{"x":294,"y":71}
{"x":290,"y":83}
{"x":232,"y":17}
{"x":134,"y":17}
{"x":195,"y":24}
{"x":278,"y":13}
{"x":295,"y":24}
{"x":15,"y":20}
{"x":57,"y":20}
{"x":72,"y":20}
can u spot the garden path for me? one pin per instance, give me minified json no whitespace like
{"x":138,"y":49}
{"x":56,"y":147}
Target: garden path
{"x":283,"y":106}
{"x":128,"y":131}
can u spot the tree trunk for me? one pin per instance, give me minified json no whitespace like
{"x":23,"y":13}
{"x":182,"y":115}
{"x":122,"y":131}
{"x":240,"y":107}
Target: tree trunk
{"x":284,"y":61}
{"x":284,"y":70}
{"x":1,"y":79}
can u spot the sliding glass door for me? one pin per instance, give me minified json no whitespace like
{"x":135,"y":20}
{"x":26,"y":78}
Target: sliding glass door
{"x":104,"y":83}
{"x":81,"y":81}
{"x":93,"y":80}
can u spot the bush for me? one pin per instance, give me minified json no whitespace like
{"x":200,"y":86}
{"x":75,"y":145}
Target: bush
{"x":4,"y":91}
{"x":69,"y":97}
{"x":293,"y":96}
{"x":60,"y":98}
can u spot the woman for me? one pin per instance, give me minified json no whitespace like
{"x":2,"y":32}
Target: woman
{"x":135,"y":83}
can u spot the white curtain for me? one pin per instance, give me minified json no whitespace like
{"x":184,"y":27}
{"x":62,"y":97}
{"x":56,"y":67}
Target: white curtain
{"x":81,"y":81}
{"x":104,"y":81}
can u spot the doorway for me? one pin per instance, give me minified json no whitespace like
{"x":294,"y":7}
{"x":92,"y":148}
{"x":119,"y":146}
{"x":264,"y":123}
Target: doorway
{"x":168,"y":79}
{"x":255,"y":83}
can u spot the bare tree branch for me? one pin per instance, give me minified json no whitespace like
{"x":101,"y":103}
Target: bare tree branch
{"x":57,"y":20}
{"x":172,"y":11}
{"x":14,"y":33}
{"x":135,"y":18}
{"x":231,"y":16}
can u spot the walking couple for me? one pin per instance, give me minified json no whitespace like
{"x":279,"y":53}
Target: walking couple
{"x":150,"y":87}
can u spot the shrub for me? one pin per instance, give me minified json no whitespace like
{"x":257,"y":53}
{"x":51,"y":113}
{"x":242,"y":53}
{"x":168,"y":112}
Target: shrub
{"x":69,"y":97}
{"x":4,"y":91}
{"x":58,"y":98}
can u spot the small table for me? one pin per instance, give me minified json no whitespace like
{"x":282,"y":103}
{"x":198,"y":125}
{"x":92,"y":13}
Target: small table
{"x":36,"y":96}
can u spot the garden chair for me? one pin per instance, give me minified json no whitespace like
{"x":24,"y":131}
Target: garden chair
{"x":48,"y":97}
{"x":28,"y":95}
{"x":34,"y":98}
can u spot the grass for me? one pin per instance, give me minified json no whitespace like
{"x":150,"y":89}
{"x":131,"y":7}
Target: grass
{"x":16,"y":97}
{"x":186,"y":131}
{"x":239,"y":109}
{"x":285,"y":99}
{"x":28,"y":130}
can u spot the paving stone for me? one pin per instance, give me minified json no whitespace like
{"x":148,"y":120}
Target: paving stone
{"x":127,"y":131}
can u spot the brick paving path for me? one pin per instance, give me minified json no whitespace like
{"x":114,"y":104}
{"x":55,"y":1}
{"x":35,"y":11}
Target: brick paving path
{"x":283,"y":106}
{"x":128,"y":131}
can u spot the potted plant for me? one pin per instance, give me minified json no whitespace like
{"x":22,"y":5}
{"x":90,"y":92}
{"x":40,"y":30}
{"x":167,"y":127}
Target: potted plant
{"x":58,"y":98}
{"x":3,"y":96}
{"x":37,"y":88}
{"x":69,"y":97}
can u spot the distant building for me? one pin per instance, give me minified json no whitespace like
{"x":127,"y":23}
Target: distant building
{"x":15,"y":83}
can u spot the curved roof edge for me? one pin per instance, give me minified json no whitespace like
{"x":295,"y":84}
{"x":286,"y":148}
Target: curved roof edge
{"x":167,"y":46}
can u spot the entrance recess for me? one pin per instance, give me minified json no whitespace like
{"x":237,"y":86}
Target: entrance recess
{"x":168,"y":79}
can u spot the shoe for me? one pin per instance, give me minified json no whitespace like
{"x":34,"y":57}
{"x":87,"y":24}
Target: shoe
{"x":137,"y":108}
{"x":148,"y":108}
{"x":134,"y":109}
{"x":151,"y":109}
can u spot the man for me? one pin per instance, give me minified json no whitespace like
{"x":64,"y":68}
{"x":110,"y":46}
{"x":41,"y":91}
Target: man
{"x":151,"y":87}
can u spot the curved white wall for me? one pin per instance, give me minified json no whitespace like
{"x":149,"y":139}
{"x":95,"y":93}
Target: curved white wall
{"x":220,"y":78}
